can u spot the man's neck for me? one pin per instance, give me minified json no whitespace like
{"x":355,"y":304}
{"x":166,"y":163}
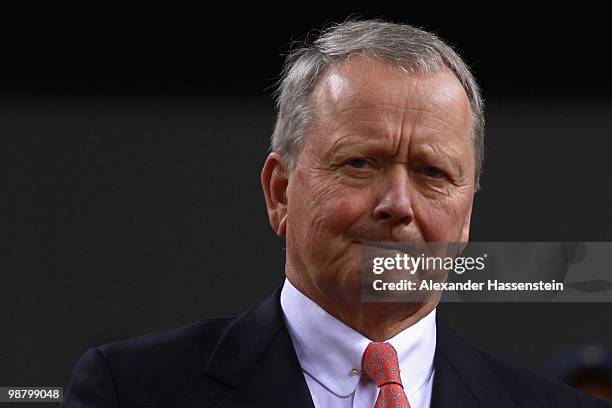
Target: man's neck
{"x":378,"y":321}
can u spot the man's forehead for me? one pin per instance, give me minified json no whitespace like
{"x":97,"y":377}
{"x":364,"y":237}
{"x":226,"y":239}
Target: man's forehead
{"x":364,"y":82}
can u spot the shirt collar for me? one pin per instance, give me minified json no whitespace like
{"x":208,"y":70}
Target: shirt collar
{"x":312,"y":328}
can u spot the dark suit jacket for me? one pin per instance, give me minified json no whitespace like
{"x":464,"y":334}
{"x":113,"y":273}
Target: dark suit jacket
{"x":249,"y":361}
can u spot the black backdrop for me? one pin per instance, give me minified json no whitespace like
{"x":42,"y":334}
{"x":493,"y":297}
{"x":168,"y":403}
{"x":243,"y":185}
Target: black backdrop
{"x":132,"y":144}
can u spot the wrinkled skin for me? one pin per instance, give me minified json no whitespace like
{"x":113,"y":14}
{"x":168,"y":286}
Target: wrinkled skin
{"x":390,"y":158}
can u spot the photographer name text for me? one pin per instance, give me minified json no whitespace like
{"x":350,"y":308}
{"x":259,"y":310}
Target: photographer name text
{"x":469,"y":285}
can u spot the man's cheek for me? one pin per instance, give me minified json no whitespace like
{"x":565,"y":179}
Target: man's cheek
{"x":443,"y":226}
{"x":340,"y":212}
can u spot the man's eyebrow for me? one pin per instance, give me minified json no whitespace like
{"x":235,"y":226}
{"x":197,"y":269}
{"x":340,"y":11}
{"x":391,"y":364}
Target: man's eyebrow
{"x":362,"y":132}
{"x":358,"y":141}
{"x":436,"y":152}
{"x":444,"y":152}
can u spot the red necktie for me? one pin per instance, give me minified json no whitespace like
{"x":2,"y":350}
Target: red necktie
{"x":381,"y":365}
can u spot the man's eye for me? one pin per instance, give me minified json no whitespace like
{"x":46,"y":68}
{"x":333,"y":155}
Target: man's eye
{"x":432,"y":172}
{"x":357,"y":163}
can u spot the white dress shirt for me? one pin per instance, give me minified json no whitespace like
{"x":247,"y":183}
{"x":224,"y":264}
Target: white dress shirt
{"x":328,"y":349}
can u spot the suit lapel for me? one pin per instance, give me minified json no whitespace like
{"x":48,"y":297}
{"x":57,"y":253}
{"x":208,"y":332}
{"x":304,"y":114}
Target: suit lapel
{"x":256,"y":359}
{"x":462,"y":378}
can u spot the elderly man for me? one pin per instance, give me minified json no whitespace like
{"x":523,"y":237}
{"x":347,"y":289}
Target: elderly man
{"x":379,"y":137}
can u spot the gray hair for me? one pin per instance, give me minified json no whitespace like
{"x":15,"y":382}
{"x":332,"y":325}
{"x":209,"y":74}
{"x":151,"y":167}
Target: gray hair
{"x":413,"y":49}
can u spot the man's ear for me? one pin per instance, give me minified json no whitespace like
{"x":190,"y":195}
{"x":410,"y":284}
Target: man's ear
{"x":274,"y":180}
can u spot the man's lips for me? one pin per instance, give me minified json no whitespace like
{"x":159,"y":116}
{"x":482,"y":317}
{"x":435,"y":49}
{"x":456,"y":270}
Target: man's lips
{"x":383,"y":244}
{"x":408,"y":246}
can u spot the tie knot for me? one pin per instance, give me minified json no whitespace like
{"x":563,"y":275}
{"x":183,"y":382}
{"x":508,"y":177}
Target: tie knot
{"x":380,"y":364}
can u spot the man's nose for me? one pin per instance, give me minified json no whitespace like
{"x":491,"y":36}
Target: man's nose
{"x":395,"y":203}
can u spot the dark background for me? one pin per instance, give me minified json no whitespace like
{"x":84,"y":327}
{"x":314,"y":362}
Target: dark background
{"x":131,"y":145}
